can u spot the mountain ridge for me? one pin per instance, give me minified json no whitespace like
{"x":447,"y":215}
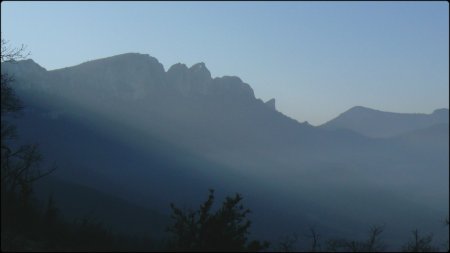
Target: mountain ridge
{"x":128,"y":67}
{"x":381,"y":124}
{"x":108,"y":118}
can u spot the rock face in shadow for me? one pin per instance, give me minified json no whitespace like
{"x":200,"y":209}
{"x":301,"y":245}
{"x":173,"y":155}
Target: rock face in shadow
{"x":375,"y":123}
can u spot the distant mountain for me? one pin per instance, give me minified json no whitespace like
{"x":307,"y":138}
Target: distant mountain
{"x":125,"y":126}
{"x":375,"y":123}
{"x":430,"y":139}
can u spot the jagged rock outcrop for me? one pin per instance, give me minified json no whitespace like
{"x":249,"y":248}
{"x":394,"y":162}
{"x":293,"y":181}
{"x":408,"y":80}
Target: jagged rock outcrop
{"x":189,"y":81}
{"x":133,"y":76}
{"x":200,"y":78}
{"x":232,"y":87}
{"x":178,"y":78}
{"x":271,"y":104}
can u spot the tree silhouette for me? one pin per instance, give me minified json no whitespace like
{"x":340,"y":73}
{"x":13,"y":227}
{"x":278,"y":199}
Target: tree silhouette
{"x":224,"y":230}
{"x":287,"y":243}
{"x":372,"y":244}
{"x":419,"y":243}
{"x":19,"y":166}
{"x":51,"y":213}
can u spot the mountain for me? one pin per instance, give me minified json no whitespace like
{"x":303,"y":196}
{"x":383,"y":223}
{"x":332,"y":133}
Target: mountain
{"x":125,"y":126}
{"x":430,"y":139}
{"x":217,"y":117}
{"x":376,"y":124}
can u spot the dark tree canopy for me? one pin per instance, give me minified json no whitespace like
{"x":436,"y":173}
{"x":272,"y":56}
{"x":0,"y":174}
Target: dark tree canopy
{"x":223,"y":230}
{"x":419,"y":243}
{"x":19,"y":166}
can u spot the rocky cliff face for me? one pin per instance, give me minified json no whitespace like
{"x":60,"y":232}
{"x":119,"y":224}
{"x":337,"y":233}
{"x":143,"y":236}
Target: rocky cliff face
{"x":195,"y":80}
{"x":132,"y":76}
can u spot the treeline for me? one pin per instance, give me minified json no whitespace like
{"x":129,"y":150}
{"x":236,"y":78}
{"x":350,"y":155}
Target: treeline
{"x":29,"y":228}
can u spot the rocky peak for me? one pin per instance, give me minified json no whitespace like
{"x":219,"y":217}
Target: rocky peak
{"x":233,"y":87}
{"x":271,"y":104}
{"x":359,"y":108}
{"x":130,"y":75}
{"x":197,"y":80}
{"x":128,"y":63}
{"x":24,"y":67}
{"x":26,"y":73}
{"x":199,"y":72}
{"x":177,"y":68}
{"x":178,"y":78}
{"x":199,"y":67}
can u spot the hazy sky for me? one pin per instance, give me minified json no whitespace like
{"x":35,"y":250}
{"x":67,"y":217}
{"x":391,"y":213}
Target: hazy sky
{"x":317,"y":59}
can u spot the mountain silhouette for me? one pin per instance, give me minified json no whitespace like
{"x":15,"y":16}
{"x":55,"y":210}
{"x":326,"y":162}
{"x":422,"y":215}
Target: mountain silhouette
{"x":126,"y":126}
{"x":375,"y":123}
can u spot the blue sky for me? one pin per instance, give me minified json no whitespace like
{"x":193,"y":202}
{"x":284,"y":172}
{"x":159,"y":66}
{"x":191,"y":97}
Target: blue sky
{"x":317,"y":59}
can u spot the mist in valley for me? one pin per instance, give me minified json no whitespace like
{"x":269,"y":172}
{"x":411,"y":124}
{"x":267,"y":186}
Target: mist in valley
{"x":132,"y":141}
